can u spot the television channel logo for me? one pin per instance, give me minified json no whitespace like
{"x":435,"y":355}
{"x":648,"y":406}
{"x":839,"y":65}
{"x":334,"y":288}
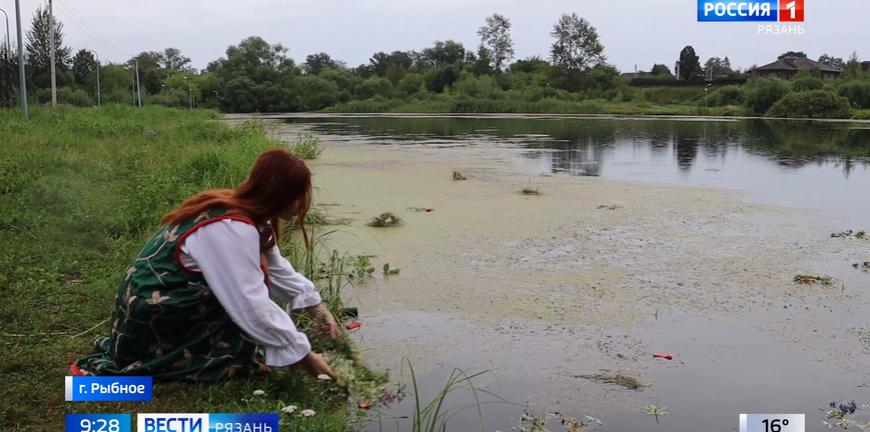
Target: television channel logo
{"x":751,"y":11}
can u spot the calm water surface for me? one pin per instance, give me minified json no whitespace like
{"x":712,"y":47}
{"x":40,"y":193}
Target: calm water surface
{"x":819,"y":166}
{"x":812,"y":165}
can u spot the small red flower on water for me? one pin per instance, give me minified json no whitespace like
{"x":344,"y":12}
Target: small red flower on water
{"x":353,"y":325}
{"x":663,"y":355}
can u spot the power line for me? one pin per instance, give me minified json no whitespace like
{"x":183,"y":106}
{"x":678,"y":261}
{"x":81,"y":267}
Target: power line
{"x":72,"y":19}
{"x":85,"y":26}
{"x":75,"y":22}
{"x":74,"y":13}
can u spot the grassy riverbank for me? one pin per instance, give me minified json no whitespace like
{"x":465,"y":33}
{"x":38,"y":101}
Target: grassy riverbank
{"x":544,"y":106}
{"x":555,"y":106}
{"x":80,"y":191}
{"x":755,"y":99}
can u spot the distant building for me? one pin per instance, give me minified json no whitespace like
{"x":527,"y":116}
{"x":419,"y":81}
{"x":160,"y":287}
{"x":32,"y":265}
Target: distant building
{"x":788,"y":67}
{"x":638,"y":74}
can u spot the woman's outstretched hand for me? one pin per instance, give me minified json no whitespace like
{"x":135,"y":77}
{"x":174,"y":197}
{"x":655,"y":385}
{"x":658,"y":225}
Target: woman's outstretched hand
{"x":321,"y":314}
{"x":315,"y":364}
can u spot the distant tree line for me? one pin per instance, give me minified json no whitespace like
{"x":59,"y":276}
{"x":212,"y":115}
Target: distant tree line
{"x":258,"y":76}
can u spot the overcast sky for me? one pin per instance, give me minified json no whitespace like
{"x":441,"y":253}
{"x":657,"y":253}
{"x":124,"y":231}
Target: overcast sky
{"x":634,"y":32}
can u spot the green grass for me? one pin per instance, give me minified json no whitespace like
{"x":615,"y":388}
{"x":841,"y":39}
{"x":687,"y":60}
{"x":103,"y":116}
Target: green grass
{"x":434,"y":416}
{"x":683,"y":101}
{"x":306,"y":147}
{"x":446,"y":104}
{"x":80,"y":191}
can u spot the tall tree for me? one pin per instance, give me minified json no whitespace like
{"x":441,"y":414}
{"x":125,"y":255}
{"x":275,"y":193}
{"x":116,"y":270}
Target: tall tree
{"x":853,"y":66}
{"x":83,"y":64}
{"x":483,"y":62}
{"x":442,"y":54}
{"x":690,"y":65}
{"x":798,"y":54}
{"x":382,"y":62}
{"x":39,"y":48}
{"x":531,"y":65}
{"x":173,"y":60}
{"x":151,"y":74}
{"x":316,"y":63}
{"x":256,"y":76}
{"x":830,"y":60}
{"x":495,"y":36}
{"x":661,"y":70}
{"x":716,"y":66}
{"x":577,"y":46}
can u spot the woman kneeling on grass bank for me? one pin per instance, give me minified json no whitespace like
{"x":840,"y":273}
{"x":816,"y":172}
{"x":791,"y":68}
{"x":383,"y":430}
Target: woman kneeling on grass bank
{"x":195,"y":303}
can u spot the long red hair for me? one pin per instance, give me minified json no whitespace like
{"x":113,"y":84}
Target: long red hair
{"x":277,"y":180}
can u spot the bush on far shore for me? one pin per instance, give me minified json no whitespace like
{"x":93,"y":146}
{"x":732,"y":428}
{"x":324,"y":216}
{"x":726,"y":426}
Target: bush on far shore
{"x":811,"y":104}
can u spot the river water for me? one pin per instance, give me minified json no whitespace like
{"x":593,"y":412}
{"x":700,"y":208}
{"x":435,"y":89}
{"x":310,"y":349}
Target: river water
{"x":648,"y":235}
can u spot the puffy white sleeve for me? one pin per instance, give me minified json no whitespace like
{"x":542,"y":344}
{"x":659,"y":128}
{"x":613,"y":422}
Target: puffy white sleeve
{"x":227,"y":253}
{"x":288,"y":284}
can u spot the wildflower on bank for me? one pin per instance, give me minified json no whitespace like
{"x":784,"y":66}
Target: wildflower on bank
{"x":289,"y":409}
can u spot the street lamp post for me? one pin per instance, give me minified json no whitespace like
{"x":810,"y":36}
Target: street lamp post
{"x":706,"y":89}
{"x":22,"y":81}
{"x":99,"y":101}
{"x":189,"y":93}
{"x":8,"y":45}
{"x":132,"y":91}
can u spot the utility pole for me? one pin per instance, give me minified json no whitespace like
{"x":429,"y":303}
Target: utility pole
{"x":51,"y":49}
{"x":138,"y":90}
{"x":99,"y":102}
{"x":189,"y":93}
{"x":22,"y":81}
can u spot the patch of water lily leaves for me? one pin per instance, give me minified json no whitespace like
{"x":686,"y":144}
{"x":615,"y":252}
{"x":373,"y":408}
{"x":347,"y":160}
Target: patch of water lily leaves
{"x":385,"y":220}
{"x":609,"y":207}
{"x":318,"y":216}
{"x":610,"y":377}
{"x":839,"y":413}
{"x":805,"y":279}
{"x":860,"y":235}
{"x":543,"y":423}
{"x":657,"y":411}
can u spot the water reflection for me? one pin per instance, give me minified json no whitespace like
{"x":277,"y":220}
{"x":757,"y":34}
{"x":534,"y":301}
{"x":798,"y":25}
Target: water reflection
{"x":796,"y":163}
{"x":581,"y":145}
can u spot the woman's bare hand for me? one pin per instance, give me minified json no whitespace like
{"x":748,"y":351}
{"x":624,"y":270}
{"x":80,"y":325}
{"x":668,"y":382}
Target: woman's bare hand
{"x":321,"y":314}
{"x":315,"y":364}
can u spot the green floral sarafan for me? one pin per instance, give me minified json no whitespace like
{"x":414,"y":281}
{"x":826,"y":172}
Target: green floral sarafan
{"x":167,"y":323}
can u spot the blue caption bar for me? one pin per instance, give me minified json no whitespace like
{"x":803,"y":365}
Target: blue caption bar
{"x":108,"y":388}
{"x":242,"y":422}
{"x":207,"y":422}
{"x":97,"y":423}
{"x":738,"y":10}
